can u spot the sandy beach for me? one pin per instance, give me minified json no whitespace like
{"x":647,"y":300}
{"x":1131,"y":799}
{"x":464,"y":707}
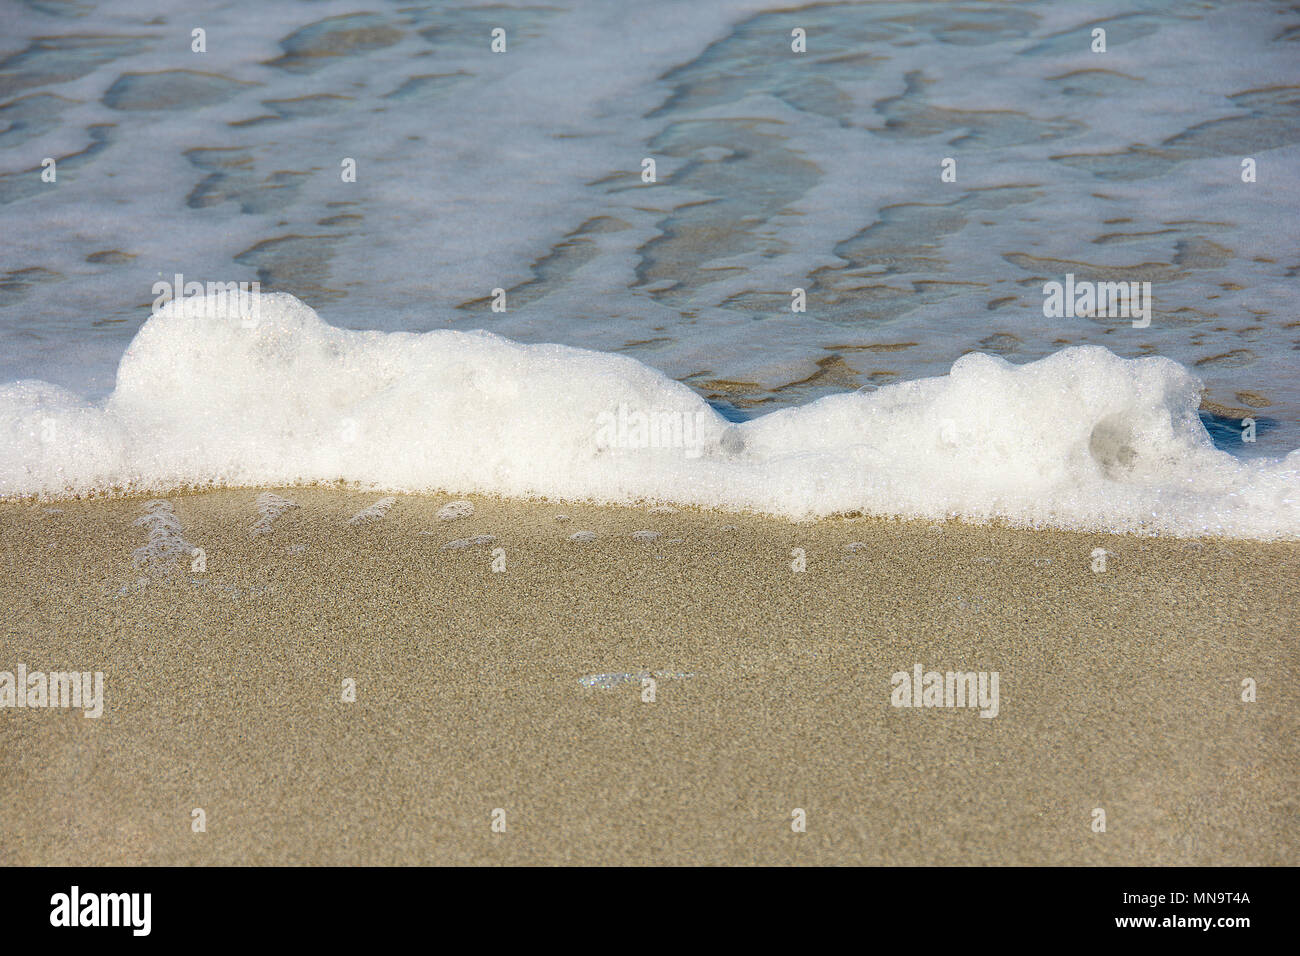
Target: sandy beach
{"x":522,"y":690}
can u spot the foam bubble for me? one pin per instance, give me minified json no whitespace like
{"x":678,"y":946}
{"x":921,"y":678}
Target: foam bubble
{"x":166,"y":539}
{"x":610,"y":681}
{"x":454,"y":510}
{"x":270,"y":506}
{"x":1081,"y":439}
{"x":375,"y":512}
{"x":461,"y":544}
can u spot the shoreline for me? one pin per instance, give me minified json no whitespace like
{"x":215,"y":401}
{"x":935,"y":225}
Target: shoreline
{"x":17,"y":503}
{"x":522,"y":689}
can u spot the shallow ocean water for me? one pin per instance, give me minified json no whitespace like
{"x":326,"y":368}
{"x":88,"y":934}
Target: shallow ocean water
{"x":775,"y":170}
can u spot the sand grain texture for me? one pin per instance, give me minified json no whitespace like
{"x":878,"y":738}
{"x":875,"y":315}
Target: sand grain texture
{"x":1119,"y":690}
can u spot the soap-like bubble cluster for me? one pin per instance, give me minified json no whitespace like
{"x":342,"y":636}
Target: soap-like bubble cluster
{"x":1081,"y":439}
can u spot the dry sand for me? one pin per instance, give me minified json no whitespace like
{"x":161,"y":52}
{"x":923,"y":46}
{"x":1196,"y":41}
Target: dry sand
{"x":1119,"y":690}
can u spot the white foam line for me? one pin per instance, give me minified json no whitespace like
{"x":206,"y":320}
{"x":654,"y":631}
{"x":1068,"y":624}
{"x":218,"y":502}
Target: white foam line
{"x":1079,"y":440}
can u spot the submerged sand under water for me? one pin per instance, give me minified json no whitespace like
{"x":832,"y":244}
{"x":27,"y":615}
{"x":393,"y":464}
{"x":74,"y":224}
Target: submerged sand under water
{"x":522,"y":689}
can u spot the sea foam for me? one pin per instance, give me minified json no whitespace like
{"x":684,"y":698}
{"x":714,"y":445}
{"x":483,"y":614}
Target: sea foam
{"x":1081,"y":439}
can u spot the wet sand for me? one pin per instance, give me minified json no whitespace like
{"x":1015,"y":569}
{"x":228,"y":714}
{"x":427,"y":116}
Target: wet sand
{"x":1119,"y":690}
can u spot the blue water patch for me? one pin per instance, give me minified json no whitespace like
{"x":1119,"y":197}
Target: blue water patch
{"x":729,"y":411}
{"x":1227,"y":432}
